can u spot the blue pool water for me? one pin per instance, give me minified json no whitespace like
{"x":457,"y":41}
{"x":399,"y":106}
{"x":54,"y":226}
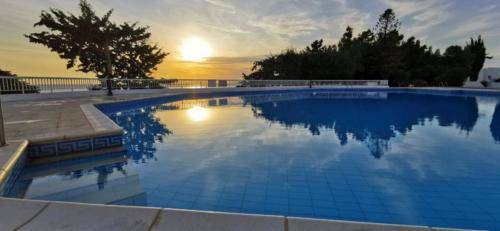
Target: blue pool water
{"x":392,"y":157}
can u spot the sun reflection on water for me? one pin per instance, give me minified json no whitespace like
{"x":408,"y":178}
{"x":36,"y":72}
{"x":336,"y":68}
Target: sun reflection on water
{"x":197,"y":113}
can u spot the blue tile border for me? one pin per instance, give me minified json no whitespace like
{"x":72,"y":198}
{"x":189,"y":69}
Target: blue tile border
{"x":65,"y":147}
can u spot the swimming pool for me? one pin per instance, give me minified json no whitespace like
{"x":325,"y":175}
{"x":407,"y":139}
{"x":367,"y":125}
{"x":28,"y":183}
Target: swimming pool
{"x":423,"y":158}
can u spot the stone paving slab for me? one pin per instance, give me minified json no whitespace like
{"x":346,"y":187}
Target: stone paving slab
{"x":44,"y":119}
{"x":98,"y":120}
{"x":72,"y":216}
{"x":185,"y":220}
{"x":16,"y":212}
{"x":299,"y":224}
{"x":20,"y":214}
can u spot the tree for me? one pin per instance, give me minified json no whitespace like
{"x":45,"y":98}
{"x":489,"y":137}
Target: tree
{"x":315,"y":46}
{"x":456,"y":63}
{"x":134,"y":57}
{"x":478,"y":50}
{"x":387,"y":23}
{"x":6,"y":73}
{"x":346,"y":40}
{"x":381,"y":53}
{"x":388,"y":55}
{"x":95,"y":44}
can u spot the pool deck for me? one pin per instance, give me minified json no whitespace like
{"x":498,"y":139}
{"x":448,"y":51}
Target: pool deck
{"x":51,"y":118}
{"x":16,"y":214}
{"x":30,"y":120}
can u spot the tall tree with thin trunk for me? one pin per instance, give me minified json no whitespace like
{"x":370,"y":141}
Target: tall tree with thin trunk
{"x":93,"y":43}
{"x":387,"y":23}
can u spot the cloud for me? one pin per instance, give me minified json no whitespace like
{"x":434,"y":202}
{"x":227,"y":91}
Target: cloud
{"x":229,"y":60}
{"x":223,"y":60}
{"x":349,"y":16}
{"x":228,"y":29}
{"x":485,"y":24}
{"x":488,"y":8}
{"x":298,"y":22}
{"x":422,"y":16}
{"x":223,"y":5}
{"x":286,"y":26}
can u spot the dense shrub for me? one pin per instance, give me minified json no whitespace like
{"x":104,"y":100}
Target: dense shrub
{"x":381,"y":53}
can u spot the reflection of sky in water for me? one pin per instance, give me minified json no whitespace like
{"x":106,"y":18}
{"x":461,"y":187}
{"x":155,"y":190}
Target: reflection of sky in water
{"x":381,"y":157}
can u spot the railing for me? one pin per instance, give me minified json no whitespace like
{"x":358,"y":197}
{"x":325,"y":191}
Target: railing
{"x":24,"y":85}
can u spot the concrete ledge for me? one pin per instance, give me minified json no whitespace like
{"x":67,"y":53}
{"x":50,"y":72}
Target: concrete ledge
{"x":14,"y":213}
{"x":298,"y":224}
{"x":20,"y":214}
{"x":12,"y":162}
{"x":99,"y":121}
{"x":73,"y":216}
{"x":185,"y":220}
{"x":105,"y":134}
{"x":9,"y":155}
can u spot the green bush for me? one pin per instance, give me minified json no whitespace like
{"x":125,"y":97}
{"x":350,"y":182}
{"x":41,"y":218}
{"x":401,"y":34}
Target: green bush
{"x":453,"y":77}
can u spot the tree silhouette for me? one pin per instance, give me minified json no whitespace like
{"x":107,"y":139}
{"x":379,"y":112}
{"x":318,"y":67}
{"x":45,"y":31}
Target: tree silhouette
{"x":381,"y":53}
{"x":387,"y":23}
{"x":142,"y":132}
{"x":95,"y":44}
{"x":478,"y":50}
{"x":495,"y":124}
{"x":398,"y":113}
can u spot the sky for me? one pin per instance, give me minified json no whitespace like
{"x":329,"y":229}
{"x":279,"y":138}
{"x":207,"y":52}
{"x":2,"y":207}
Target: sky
{"x":239,"y":32}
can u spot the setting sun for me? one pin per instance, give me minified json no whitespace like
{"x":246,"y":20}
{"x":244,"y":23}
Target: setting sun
{"x":195,"y":50}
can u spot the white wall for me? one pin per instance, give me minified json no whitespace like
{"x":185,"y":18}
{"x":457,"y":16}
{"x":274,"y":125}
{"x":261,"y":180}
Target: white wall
{"x":489,"y":74}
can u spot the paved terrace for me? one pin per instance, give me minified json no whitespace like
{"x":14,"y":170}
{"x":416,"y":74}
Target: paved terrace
{"x":50,"y":118}
{"x":63,"y":117}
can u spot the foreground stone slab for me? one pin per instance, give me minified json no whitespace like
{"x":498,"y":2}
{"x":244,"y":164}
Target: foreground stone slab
{"x":72,"y":216}
{"x":14,"y":213}
{"x":299,"y":224}
{"x":172,"y":220}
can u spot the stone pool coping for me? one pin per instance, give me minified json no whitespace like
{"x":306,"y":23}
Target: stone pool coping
{"x":21,"y":214}
{"x":9,"y":159}
{"x":25,"y":214}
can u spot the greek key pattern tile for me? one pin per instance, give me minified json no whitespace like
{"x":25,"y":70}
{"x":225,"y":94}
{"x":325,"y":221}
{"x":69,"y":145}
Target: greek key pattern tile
{"x":67,"y":147}
{"x":74,"y":146}
{"x":106,"y":142}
